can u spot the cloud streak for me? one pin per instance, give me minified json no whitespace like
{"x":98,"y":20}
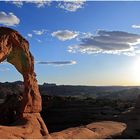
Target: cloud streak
{"x":37,"y":3}
{"x":64,"y":35}
{"x":8,"y":19}
{"x":40,"y":3}
{"x":136,"y":26}
{"x":4,"y":69}
{"x":40,"y":32}
{"x":17,"y":3}
{"x":30,"y":35}
{"x":109,"y":42}
{"x":57,"y":63}
{"x":71,"y":6}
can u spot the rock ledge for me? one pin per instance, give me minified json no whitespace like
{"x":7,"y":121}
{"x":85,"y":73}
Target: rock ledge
{"x":97,"y":130}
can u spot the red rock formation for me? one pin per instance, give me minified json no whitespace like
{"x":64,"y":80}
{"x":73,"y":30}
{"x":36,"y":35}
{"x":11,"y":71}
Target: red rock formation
{"x":31,"y":126}
{"x":15,"y":49}
{"x":97,"y":130}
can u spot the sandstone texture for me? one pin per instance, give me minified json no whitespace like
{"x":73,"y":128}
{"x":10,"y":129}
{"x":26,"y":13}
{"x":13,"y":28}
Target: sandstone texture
{"x":15,"y":49}
{"x":31,"y":126}
{"x":20,"y":112}
{"x":98,"y":130}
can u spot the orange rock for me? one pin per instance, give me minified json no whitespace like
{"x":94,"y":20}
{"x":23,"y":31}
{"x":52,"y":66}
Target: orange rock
{"x":15,"y":49}
{"x":97,"y":130}
{"x":31,"y":126}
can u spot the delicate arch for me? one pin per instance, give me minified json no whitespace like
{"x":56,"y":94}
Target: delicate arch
{"x":15,"y":49}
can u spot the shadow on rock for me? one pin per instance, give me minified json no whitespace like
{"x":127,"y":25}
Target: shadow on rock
{"x":9,"y":110}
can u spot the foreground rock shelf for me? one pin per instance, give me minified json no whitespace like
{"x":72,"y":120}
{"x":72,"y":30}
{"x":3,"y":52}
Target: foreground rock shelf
{"x":32,"y":126}
{"x":104,"y":129}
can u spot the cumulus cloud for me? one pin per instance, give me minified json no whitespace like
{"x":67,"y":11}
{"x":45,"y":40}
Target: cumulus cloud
{"x":136,"y":26}
{"x":39,"y":32}
{"x":110,"y":42}
{"x":71,"y":6}
{"x":64,"y":35}
{"x":29,"y":35}
{"x":8,"y":19}
{"x":58,"y":63}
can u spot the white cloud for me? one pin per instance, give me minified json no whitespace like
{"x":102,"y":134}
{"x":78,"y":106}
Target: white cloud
{"x":71,"y":6}
{"x":64,"y":35}
{"x":8,"y":19}
{"x":58,"y":63}
{"x":39,"y":32}
{"x":135,"y":26}
{"x":40,"y":3}
{"x":67,"y":5}
{"x":37,"y":3}
{"x":18,"y":3}
{"x":109,"y":42}
{"x":29,"y":35}
{"x":38,"y":40}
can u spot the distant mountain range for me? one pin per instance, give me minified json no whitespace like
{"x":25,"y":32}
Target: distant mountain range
{"x":110,"y":92}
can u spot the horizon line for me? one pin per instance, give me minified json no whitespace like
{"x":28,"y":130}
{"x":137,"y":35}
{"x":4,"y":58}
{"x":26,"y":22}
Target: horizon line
{"x":49,"y":83}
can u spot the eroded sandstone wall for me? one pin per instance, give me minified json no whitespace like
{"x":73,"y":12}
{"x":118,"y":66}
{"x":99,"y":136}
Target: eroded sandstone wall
{"x":15,"y":49}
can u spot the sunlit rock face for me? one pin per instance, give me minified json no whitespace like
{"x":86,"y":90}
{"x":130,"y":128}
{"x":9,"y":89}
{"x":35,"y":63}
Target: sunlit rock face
{"x":15,"y":49}
{"x":20,"y":113}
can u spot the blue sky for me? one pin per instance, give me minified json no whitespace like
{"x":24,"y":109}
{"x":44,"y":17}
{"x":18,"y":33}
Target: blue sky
{"x":79,"y":42}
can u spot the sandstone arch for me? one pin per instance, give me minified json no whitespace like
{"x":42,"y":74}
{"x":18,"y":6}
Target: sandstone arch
{"x":15,"y":49}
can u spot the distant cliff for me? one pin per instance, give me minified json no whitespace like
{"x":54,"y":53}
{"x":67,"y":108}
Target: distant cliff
{"x":101,"y":92}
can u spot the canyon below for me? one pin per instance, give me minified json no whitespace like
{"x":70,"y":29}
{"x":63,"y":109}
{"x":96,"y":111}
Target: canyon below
{"x":76,"y":112}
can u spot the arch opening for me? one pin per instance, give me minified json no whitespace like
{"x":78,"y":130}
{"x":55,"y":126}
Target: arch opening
{"x":15,"y":49}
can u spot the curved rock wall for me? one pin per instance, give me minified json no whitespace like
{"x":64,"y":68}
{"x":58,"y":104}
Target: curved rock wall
{"x":15,"y":49}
